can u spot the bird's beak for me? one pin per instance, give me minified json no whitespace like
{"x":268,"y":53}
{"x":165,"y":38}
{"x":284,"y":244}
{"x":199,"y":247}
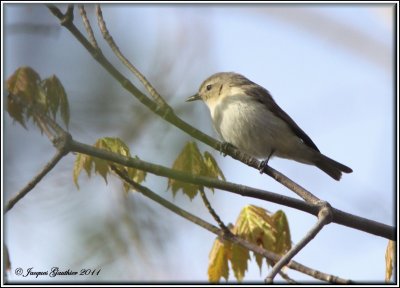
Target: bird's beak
{"x":193,"y":98}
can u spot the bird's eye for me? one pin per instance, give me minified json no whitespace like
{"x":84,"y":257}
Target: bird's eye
{"x":208,"y":87}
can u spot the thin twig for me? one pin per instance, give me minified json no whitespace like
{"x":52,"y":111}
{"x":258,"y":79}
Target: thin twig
{"x":45,"y":129}
{"x":324,"y":218}
{"x":106,"y":35}
{"x":287,"y":278}
{"x":212,"y":211}
{"x":88,"y":27}
{"x":230,"y":237}
{"x":46,"y":169}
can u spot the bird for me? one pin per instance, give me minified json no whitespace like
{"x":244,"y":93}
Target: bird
{"x":246,"y":116}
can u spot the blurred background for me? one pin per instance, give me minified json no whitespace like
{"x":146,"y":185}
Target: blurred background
{"x":330,"y":66}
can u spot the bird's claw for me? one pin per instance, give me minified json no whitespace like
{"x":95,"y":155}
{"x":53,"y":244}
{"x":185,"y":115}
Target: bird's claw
{"x":225,"y":146}
{"x":262,"y":166}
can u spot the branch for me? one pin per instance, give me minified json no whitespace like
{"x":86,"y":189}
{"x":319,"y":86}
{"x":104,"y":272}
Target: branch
{"x":324,"y":218}
{"x":338,"y":216}
{"x":106,"y":35}
{"x":229,"y":237}
{"x":287,"y":278}
{"x":212,"y":211}
{"x":88,"y":27}
{"x":46,"y":169}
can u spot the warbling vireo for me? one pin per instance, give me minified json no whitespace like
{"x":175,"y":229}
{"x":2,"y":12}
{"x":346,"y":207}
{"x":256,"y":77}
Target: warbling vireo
{"x":246,"y":116}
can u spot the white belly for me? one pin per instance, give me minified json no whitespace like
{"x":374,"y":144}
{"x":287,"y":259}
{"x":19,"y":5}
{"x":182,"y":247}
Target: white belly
{"x":251,"y":127}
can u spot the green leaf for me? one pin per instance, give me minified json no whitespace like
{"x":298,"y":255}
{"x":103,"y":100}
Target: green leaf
{"x":239,"y":259}
{"x":24,"y":83}
{"x":47,"y":96}
{"x":191,"y":161}
{"x":102,"y":167}
{"x":82,"y":161}
{"x":212,"y":169}
{"x":283,"y":242}
{"x":256,"y":226}
{"x":78,"y":168}
{"x":136,"y":175}
{"x":56,"y":98}
{"x":218,"y":261}
{"x":15,"y":110}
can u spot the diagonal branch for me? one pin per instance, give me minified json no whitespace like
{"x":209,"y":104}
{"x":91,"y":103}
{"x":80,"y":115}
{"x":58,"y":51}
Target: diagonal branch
{"x":106,"y":35}
{"x":212,"y":211}
{"x":88,"y":27}
{"x":46,"y":169}
{"x":324,"y":218}
{"x":230,"y":237}
{"x":338,"y":217}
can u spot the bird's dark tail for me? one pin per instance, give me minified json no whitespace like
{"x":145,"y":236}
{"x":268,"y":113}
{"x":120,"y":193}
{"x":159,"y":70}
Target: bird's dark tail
{"x":331,"y":167}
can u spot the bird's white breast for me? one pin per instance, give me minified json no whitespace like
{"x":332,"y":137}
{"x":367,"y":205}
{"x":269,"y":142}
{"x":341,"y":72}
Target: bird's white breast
{"x":250,"y":126}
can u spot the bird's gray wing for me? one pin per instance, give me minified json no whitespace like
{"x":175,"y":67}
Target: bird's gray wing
{"x":262,"y":95}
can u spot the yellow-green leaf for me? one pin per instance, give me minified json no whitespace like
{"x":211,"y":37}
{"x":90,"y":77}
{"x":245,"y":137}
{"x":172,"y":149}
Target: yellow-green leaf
{"x":47,"y":96}
{"x":255,"y":224}
{"x":239,"y":258}
{"x":116,"y":145}
{"x":101,"y":166}
{"x":283,"y":242}
{"x":56,"y":98}
{"x":189,"y":160}
{"x":136,"y":175}
{"x":212,"y":168}
{"x":218,"y":261}
{"x":50,"y":89}
{"x":15,"y":110}
{"x":24,"y":83}
{"x":389,"y":257}
{"x":78,"y":168}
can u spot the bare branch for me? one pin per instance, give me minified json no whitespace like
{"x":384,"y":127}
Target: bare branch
{"x":349,"y":220}
{"x":46,"y":169}
{"x":287,"y":278}
{"x":296,"y":188}
{"x":88,"y":27}
{"x":212,"y":211}
{"x":106,"y":35}
{"x":324,"y":218}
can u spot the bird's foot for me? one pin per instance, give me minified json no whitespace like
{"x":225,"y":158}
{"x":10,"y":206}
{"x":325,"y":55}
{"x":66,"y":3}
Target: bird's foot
{"x":263,"y":164}
{"x":225,"y":146}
